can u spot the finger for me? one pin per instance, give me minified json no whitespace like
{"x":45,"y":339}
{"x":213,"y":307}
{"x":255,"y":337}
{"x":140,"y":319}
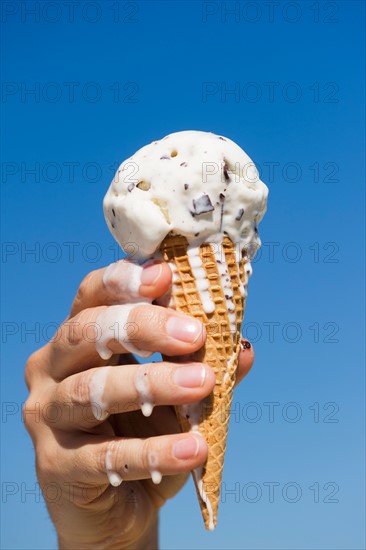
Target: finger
{"x":86,"y":399}
{"x":97,"y":333}
{"x":246,"y":360}
{"x":122,"y":282}
{"x":95,"y":459}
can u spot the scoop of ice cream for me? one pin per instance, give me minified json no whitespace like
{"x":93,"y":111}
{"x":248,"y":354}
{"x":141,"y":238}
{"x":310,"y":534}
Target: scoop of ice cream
{"x":196,"y":184}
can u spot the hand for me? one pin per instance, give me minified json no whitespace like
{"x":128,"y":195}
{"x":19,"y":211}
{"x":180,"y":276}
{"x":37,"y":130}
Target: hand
{"x":83,"y":413}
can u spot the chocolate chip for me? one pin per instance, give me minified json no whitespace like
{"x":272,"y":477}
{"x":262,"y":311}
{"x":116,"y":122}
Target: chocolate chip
{"x":225,"y":170}
{"x":196,"y":234}
{"x":126,"y":466}
{"x":113,"y":212}
{"x":130,"y":187}
{"x":240,"y":214}
{"x":183,"y":164}
{"x":222,"y":197}
{"x":202,"y":205}
{"x":223,"y":139}
{"x":164,"y":157}
{"x":186,"y":186}
{"x":112,"y":224}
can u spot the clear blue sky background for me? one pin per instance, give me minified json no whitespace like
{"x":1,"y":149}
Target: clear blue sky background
{"x":164,"y":67}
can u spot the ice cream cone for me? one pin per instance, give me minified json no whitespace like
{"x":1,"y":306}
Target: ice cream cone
{"x":209,"y":284}
{"x":196,"y":199}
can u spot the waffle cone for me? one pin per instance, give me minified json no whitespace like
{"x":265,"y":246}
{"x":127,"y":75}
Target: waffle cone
{"x":220,"y":351}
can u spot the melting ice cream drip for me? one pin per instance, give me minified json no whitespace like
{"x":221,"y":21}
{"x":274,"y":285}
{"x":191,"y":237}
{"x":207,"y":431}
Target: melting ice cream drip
{"x":154,"y":472}
{"x":112,"y":324}
{"x":113,"y":477}
{"x":248,"y":273}
{"x":123,"y":279}
{"x":204,"y":496}
{"x":142,"y":386}
{"x":238,"y":258}
{"x":193,"y":414}
{"x":201,"y":280}
{"x":96,"y":392}
{"x":226,"y":286}
{"x":229,"y":367}
{"x":175,"y":278}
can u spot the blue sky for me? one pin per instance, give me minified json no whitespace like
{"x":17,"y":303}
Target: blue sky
{"x":288,"y":86}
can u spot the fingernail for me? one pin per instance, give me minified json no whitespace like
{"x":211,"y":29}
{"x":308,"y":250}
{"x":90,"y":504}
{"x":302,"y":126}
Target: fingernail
{"x":184,"y":329}
{"x":190,"y":377}
{"x":186,"y":448}
{"x":245,"y":344}
{"x":151,"y":273}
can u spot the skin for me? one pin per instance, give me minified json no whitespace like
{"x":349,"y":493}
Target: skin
{"x":71,"y":444}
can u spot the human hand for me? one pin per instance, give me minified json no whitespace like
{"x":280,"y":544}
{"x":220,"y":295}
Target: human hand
{"x":88,"y":428}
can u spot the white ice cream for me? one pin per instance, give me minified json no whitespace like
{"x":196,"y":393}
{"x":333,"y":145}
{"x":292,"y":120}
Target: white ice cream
{"x":191,"y":183}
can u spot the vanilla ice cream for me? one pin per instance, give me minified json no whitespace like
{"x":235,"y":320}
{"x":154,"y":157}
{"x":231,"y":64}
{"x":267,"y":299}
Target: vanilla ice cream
{"x":195,"y":184}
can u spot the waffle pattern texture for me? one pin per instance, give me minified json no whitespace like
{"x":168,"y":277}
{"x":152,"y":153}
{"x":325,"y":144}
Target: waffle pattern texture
{"x":220,"y":351}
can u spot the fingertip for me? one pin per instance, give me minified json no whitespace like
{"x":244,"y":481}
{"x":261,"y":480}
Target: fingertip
{"x":202,"y":448}
{"x":210,"y":378}
{"x":202,"y":336}
{"x":156,"y":278}
{"x":246,"y":360}
{"x":185,"y":329}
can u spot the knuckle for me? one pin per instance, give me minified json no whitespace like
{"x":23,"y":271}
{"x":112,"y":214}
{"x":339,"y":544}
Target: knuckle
{"x":73,"y":330}
{"x":80,"y":389}
{"x":32,"y":366}
{"x":161,"y":378}
{"x":114,"y":274}
{"x":149,"y":454}
{"x":51,"y":413}
{"x":46,"y":460}
{"x":152,"y":317}
{"x":100,"y":458}
{"x":107,"y":456}
{"x":30,"y":416}
{"x":83,"y":289}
